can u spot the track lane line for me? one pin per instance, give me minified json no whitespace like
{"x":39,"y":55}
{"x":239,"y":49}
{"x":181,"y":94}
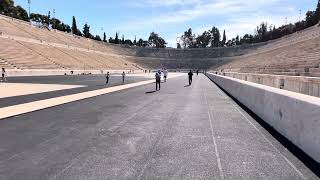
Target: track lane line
{"x":214,"y":138}
{"x":257,"y":129}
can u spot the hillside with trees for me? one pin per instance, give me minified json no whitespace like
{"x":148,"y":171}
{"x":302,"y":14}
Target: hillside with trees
{"x":264,"y":32}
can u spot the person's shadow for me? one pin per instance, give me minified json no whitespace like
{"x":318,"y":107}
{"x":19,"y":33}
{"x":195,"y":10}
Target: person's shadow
{"x":150,"y":92}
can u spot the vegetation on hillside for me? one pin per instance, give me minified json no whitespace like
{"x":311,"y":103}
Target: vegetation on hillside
{"x":263,"y":32}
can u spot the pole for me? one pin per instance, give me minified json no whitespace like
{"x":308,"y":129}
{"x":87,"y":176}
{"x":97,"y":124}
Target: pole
{"x":29,"y":2}
{"x":299,"y":15}
{"x":286,"y":20}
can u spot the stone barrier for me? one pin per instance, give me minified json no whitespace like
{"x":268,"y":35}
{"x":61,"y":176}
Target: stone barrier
{"x":296,"y":116}
{"x":300,"y":84}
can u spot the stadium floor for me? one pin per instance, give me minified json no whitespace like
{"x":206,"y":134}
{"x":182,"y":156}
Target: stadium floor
{"x":90,"y":82}
{"x":180,"y":132}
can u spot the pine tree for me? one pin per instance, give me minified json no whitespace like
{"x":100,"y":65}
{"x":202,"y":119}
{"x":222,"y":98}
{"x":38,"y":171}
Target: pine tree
{"x":74,"y":28}
{"x":122,"y":42}
{"x":135,"y":41}
{"x":215,"y":37}
{"x":224,"y":39}
{"x":86,"y":31}
{"x":116,"y":39}
{"x":104,"y":37}
{"x":318,"y":11}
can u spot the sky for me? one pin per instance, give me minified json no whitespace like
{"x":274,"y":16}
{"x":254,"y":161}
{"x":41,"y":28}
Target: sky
{"x":170,"y":18}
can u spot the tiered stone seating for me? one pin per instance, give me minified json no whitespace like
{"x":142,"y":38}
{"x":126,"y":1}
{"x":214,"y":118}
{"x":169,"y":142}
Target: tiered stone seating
{"x":7,"y":28}
{"x":293,"y":59}
{"x":24,"y":58}
{"x":296,"y":54}
{"x":6,"y":65}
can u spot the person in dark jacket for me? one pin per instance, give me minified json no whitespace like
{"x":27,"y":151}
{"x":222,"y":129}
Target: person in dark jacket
{"x":107,"y":78}
{"x":158,"y":80}
{"x":123,"y":77}
{"x":3,"y":75}
{"x":190,"y":74}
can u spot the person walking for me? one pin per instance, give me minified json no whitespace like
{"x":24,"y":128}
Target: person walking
{"x":107,"y":78}
{"x":198,"y":72}
{"x":165,"y":75}
{"x":4,"y":74}
{"x":190,"y":74}
{"x":158,"y":80}
{"x":123,"y":77}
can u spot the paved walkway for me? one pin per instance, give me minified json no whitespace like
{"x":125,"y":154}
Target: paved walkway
{"x":180,"y":132}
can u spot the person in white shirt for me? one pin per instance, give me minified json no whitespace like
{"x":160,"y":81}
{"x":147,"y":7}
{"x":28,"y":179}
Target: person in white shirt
{"x":165,"y":75}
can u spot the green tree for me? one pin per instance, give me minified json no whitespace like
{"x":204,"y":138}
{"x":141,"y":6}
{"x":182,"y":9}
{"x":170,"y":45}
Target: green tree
{"x":156,"y":41}
{"x":74,"y":28}
{"x":262,"y":31}
{"x":317,"y":13}
{"x":140,"y":42}
{"x":97,"y":38}
{"x":104,"y":37}
{"x":135,"y":41}
{"x":128,"y":42}
{"x":204,"y":39}
{"x":311,"y":18}
{"x":237,"y":40}
{"x":215,"y":37}
{"x":116,"y":39}
{"x":20,"y":13}
{"x":86,"y":31}
{"x":187,"y":39}
{"x":247,"y":39}
{"x":122,"y":41}
{"x":111,"y":40}
{"x":6,"y":6}
{"x":224,"y":38}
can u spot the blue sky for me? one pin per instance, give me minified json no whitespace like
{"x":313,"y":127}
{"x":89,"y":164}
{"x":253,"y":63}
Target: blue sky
{"x":170,"y":18}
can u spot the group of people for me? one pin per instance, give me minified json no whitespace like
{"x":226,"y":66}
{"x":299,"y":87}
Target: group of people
{"x":3,"y":75}
{"x":108,"y":77}
{"x":165,"y":76}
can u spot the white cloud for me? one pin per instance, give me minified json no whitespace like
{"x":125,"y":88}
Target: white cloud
{"x":236,"y":17}
{"x":160,"y":3}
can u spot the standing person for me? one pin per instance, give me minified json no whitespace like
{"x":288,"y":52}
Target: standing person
{"x":4,"y":74}
{"x":190,"y":74}
{"x":158,"y":80}
{"x":197,"y":72}
{"x":123,"y":77}
{"x":165,"y":75}
{"x":107,"y":78}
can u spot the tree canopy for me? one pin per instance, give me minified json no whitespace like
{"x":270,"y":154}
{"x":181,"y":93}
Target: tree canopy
{"x":156,"y":41}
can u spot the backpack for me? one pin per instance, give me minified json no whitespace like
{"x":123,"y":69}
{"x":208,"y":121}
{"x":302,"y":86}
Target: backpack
{"x":158,"y":76}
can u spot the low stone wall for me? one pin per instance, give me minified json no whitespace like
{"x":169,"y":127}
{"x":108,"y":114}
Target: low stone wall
{"x":300,"y":84}
{"x":295,"y":116}
{"x":41,"y":72}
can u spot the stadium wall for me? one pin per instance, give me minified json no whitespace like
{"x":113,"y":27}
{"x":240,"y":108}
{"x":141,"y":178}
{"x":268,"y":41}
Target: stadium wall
{"x":294,"y":115}
{"x":300,"y":84}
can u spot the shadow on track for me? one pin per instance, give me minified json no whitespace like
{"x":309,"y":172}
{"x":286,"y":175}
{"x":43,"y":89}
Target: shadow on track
{"x":150,"y":92}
